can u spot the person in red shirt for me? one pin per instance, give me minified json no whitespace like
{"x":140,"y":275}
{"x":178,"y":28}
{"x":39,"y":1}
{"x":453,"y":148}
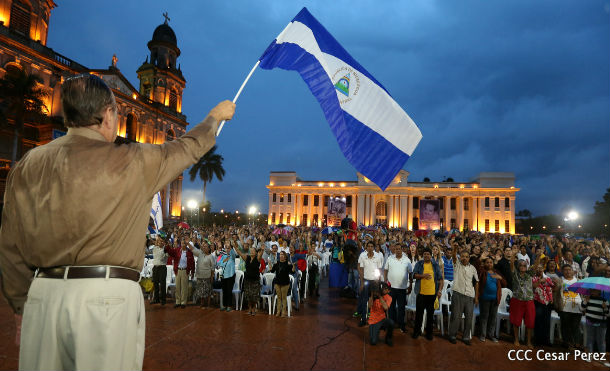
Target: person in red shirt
{"x":378,"y":318}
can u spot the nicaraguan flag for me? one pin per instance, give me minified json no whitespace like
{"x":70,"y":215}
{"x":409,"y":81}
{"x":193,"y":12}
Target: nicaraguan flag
{"x":155,"y":211}
{"x":374,"y":133}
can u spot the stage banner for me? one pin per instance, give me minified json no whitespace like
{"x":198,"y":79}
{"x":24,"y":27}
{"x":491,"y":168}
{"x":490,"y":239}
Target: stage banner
{"x":429,"y":214}
{"x":336,"y":211}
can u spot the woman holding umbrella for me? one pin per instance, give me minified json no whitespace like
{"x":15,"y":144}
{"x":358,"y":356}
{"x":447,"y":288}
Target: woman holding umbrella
{"x":596,"y":292}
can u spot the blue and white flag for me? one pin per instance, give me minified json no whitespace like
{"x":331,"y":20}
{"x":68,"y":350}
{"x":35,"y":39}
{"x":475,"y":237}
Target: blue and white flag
{"x":156,"y":213}
{"x":374,"y":133}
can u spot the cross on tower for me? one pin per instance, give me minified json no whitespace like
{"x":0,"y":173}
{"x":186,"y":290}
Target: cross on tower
{"x":166,"y":17}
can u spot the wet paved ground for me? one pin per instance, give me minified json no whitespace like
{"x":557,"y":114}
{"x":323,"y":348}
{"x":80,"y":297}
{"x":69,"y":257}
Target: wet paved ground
{"x":194,"y":339}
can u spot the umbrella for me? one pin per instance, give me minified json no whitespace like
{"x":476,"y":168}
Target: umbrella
{"x":327,"y":230}
{"x":281,"y":225}
{"x":289,"y":228}
{"x":280,"y":231}
{"x":183,"y":225}
{"x":585,"y":286}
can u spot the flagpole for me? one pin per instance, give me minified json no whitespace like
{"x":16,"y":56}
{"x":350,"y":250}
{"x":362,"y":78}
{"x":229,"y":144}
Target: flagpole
{"x":222,"y":123}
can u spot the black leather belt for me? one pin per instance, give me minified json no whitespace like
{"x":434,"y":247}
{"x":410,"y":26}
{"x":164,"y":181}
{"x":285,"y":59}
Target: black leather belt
{"x":89,"y":272}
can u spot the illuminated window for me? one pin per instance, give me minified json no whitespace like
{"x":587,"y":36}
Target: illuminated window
{"x":487,"y":202}
{"x":272,"y":218}
{"x":304,"y":220}
{"x":452,"y":200}
{"x":289,"y":197}
{"x":131,"y":127}
{"x":173,"y":100}
{"x":497,"y":225}
{"x":316,"y":200}
{"x":486,"y":225}
{"x":20,"y":18}
{"x":274,"y":197}
{"x":507,"y":203}
{"x":466,"y":225}
{"x":381,"y":209}
{"x":288,"y":218}
{"x":453,"y":224}
{"x":507,"y":226}
{"x":281,"y":198}
{"x":315,"y":219}
{"x":281,"y":218}
{"x":497,"y":202}
{"x":326,"y":198}
{"x":466,"y":202}
{"x":305,"y":200}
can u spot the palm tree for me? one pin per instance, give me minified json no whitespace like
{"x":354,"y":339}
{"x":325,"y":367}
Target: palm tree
{"x":207,"y":167}
{"x":22,"y":96}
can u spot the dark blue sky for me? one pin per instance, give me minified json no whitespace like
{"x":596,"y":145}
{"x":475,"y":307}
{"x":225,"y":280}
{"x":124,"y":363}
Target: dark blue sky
{"x":519,"y":86}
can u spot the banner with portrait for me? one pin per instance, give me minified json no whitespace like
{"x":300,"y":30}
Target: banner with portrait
{"x":429,"y":214}
{"x":336,"y":211}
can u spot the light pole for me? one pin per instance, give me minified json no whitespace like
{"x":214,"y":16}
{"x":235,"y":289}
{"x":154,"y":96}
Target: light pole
{"x":251,"y":211}
{"x":192,"y":204}
{"x":203,"y":221}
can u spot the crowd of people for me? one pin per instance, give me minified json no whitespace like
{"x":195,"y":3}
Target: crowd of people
{"x":387,"y":268}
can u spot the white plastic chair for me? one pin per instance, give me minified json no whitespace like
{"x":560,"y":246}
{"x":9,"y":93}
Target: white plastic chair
{"x":267,"y":289}
{"x":238,"y":289}
{"x":218,"y":291}
{"x":438,"y":313}
{"x":288,"y":297}
{"x":555,"y":322}
{"x":507,"y":294}
{"x":170,"y":279}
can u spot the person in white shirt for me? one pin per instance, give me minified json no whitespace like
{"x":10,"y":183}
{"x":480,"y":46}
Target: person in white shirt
{"x":465,"y":295}
{"x":571,"y":313}
{"x":369,"y":265}
{"x":159,"y":271}
{"x":396,"y":271}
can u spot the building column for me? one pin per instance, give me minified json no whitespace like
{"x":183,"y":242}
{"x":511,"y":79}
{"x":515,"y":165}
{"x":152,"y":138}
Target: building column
{"x":512,"y":215}
{"x":390,"y":216}
{"x":167,"y":191}
{"x":320,"y":209}
{"x":447,"y":205}
{"x":404,"y":217}
{"x":480,"y":217}
{"x":309,"y":203}
{"x":410,"y":213}
{"x":460,"y":212}
{"x":270,"y":207}
{"x":474,"y":213}
{"x":360,"y":210}
{"x":371,"y":208}
{"x":296,"y":207}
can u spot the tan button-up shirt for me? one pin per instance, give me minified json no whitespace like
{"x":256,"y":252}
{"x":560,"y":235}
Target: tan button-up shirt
{"x":80,"y":200}
{"x":463,"y":276}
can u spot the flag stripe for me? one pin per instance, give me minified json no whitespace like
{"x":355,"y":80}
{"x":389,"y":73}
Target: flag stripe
{"x":328,"y":44}
{"x":388,"y":118}
{"x":370,"y":153}
{"x":374,"y":133}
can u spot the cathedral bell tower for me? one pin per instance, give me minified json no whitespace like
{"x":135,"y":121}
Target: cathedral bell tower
{"x":160,"y":80}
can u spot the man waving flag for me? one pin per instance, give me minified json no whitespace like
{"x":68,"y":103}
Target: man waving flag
{"x":374,"y":133}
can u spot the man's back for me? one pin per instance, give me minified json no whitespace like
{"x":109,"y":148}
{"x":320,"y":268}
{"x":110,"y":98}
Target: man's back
{"x":80,"y":200}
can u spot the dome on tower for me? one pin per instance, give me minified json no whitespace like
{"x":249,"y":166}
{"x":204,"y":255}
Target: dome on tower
{"x":164,"y":33}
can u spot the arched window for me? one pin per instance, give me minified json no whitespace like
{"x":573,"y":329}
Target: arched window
{"x":381,"y":213}
{"x":170,"y":135}
{"x":131,"y":127}
{"x":20,"y":18}
{"x":381,"y":209}
{"x":173,"y":100}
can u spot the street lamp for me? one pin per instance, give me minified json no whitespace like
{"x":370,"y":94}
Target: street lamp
{"x":251,"y":212}
{"x":191,"y":204}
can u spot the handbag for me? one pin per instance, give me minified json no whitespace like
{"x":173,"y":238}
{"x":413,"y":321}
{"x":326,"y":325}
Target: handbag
{"x":436,"y":304}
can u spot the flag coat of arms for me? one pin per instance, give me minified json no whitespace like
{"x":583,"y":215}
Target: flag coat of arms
{"x":374,"y":133}
{"x":155,"y":212}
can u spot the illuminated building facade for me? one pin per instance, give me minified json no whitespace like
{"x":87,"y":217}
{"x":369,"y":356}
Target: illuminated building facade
{"x":486,"y":204}
{"x":150,"y":114}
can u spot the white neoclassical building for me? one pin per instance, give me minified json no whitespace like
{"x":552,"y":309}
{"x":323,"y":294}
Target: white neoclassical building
{"x":486,"y":203}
